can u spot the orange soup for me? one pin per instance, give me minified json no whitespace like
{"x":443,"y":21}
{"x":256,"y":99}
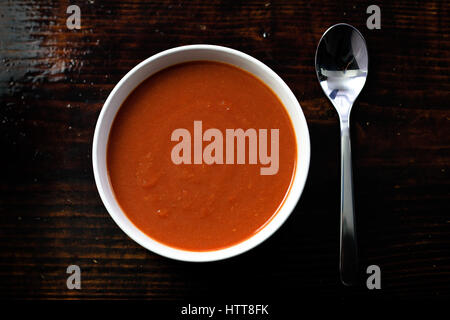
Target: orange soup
{"x":200,"y":205}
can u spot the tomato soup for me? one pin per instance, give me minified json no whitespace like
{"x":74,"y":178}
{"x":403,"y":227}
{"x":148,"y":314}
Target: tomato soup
{"x":199,"y":206}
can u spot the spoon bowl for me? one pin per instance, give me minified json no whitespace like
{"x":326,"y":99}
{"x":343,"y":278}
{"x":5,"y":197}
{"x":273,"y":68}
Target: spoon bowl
{"x":342,"y":67}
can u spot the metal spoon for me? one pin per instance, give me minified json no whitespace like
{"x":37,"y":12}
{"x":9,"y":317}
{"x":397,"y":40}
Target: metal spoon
{"x":341,"y":66}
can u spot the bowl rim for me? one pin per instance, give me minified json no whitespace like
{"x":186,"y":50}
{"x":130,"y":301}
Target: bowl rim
{"x":271,"y":226}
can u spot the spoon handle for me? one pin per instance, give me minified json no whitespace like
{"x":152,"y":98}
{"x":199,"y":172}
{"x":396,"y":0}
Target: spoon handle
{"x":348,"y":254}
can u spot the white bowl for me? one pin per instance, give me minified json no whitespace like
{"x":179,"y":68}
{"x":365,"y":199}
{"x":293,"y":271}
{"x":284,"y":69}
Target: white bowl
{"x":163,"y":60}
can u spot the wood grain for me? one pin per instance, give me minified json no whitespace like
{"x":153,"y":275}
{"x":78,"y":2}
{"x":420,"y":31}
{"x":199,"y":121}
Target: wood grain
{"x":53,"y":82}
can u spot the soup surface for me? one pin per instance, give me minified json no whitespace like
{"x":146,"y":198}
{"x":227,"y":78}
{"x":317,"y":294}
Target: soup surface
{"x":197,"y":207}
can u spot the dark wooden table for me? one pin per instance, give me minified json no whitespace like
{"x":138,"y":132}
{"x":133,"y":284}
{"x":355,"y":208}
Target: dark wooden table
{"x":53,"y":82}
